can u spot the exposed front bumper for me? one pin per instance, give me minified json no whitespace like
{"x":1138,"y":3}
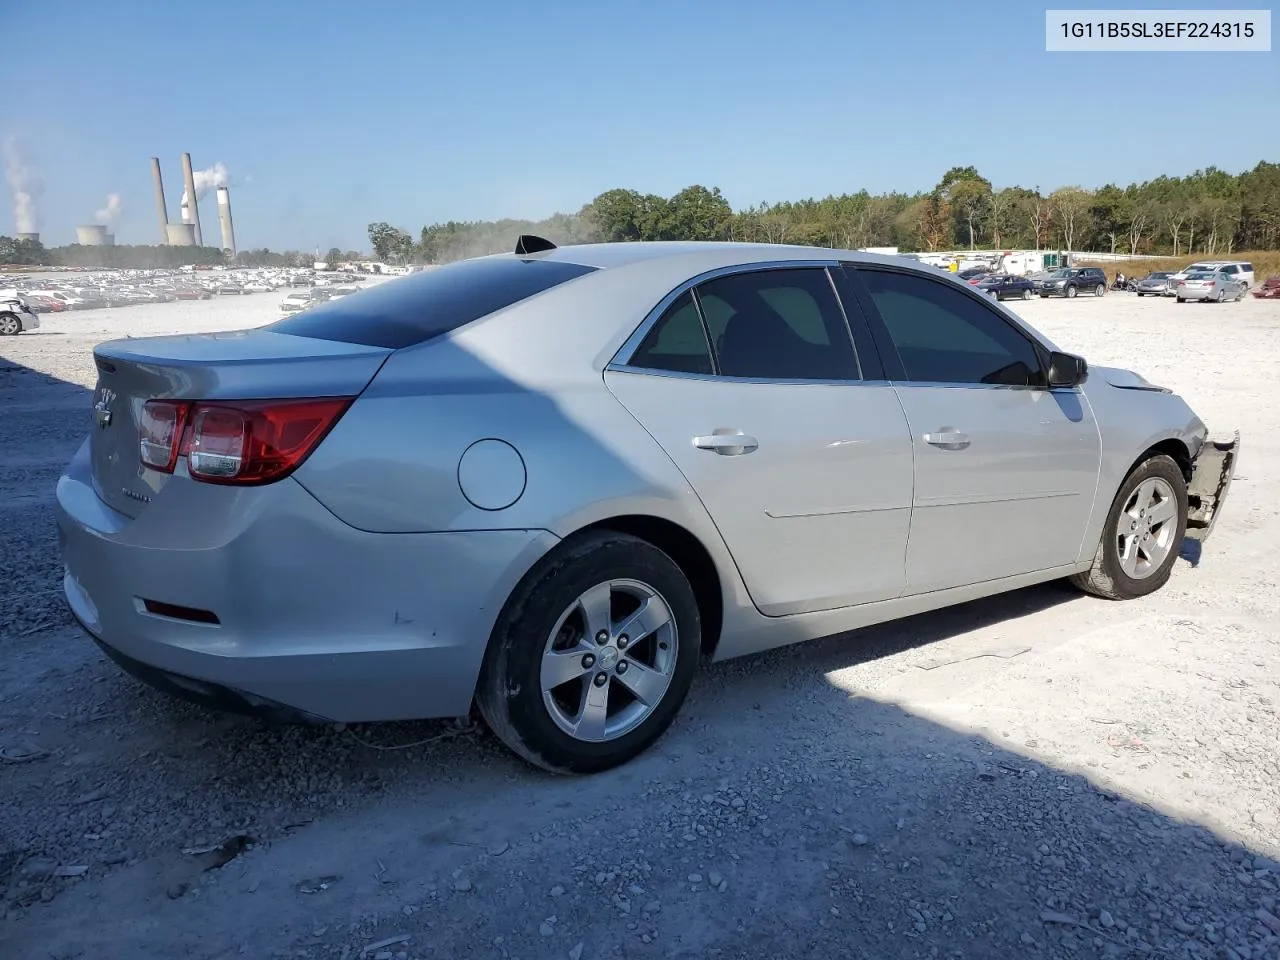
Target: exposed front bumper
{"x":1212,"y":471}
{"x":311,"y":614}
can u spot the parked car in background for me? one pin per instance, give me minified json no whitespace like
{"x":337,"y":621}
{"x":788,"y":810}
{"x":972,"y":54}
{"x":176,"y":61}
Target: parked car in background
{"x":1270,"y":289}
{"x":572,"y":475}
{"x":1154,"y":284}
{"x":295,"y":302}
{"x":1216,"y":285}
{"x":16,"y":316}
{"x":191,"y":293}
{"x":1005,"y":286}
{"x":40,"y":303}
{"x":257,"y":286}
{"x":1235,"y":269}
{"x":1072,"y":281}
{"x":225,"y":289}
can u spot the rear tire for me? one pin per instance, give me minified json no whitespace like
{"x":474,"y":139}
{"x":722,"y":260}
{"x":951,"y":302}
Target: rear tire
{"x":1182,"y":299}
{"x":552,"y":622}
{"x":1099,"y":290}
{"x":1026,"y":294}
{"x":1136,"y":553}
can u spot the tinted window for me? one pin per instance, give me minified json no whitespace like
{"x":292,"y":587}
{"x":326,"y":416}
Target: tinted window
{"x":778,"y":324}
{"x":676,"y":342}
{"x":406,"y":311}
{"x":945,"y":336}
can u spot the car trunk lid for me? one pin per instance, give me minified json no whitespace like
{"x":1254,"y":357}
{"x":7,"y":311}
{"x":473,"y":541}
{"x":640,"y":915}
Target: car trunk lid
{"x":241,"y":365}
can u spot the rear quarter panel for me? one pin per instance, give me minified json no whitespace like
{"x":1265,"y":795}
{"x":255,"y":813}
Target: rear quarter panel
{"x":532,"y":376}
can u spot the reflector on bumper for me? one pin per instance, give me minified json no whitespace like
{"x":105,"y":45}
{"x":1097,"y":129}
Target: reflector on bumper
{"x":1211,"y":474}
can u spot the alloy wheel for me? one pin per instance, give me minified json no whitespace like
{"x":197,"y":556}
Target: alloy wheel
{"x":609,"y":660}
{"x":1145,"y":530}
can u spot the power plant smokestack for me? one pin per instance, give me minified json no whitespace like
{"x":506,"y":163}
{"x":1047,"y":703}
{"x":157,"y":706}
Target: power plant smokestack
{"x":224,"y":218}
{"x":32,"y":237}
{"x":161,"y":209}
{"x":191,"y":211}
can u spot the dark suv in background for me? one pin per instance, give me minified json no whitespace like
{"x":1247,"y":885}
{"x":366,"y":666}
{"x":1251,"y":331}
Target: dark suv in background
{"x":1070,"y":281}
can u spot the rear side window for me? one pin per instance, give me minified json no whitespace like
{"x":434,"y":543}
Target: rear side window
{"x":677,"y":342}
{"x":781,"y":324}
{"x":414,"y":309}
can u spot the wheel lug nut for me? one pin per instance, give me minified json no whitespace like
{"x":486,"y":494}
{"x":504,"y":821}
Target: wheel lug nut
{"x":623,"y":641}
{"x":602,"y":637}
{"x":588,"y":661}
{"x":622,"y":667}
{"x":601,"y":679}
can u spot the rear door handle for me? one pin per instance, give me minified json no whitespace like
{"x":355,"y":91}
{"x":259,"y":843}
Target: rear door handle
{"x":947,"y":438}
{"x":727,"y":444}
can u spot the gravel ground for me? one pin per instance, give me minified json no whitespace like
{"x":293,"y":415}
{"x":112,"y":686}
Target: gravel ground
{"x":1034,"y":775}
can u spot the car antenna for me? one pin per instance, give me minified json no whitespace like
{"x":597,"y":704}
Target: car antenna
{"x":528,"y":243}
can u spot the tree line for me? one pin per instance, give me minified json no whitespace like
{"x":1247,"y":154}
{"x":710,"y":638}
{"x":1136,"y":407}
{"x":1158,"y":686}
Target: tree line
{"x":1209,"y":211}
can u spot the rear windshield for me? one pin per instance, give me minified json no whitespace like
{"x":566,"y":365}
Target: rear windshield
{"x":413,"y":309}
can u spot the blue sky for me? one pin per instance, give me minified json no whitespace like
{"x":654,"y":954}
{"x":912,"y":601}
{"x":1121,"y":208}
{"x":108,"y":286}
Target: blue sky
{"x":332,"y":115}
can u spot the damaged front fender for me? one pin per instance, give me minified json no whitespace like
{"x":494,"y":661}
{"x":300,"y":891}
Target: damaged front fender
{"x":1212,"y":471}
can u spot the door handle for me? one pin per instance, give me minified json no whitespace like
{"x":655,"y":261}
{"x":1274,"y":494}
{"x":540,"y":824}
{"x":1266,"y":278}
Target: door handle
{"x":727,"y":444}
{"x":948,"y":438}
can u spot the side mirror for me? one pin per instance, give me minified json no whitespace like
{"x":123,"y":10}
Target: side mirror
{"x":1067,"y":370}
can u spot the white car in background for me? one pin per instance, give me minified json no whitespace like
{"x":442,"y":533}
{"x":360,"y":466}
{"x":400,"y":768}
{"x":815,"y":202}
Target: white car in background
{"x":1234,"y":270}
{"x":257,"y":286}
{"x":16,"y":316}
{"x":295,"y":302}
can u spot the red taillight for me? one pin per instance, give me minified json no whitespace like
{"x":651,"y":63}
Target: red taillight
{"x":238,"y":441}
{"x":256,"y":441}
{"x":160,"y":433}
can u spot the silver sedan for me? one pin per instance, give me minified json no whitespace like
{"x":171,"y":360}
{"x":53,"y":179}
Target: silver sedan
{"x":546,"y":484}
{"x":1212,"y":285}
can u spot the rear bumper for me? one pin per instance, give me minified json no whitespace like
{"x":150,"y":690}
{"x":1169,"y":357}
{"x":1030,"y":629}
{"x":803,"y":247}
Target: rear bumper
{"x":311,"y":614}
{"x":1212,"y":471}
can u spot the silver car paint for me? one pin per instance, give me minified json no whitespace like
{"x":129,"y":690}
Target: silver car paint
{"x":205,"y":367}
{"x":534,"y":375}
{"x":278,"y":570}
{"x":1223,"y":286}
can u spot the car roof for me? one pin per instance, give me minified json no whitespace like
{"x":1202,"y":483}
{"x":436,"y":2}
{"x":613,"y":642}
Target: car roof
{"x":698,"y":256}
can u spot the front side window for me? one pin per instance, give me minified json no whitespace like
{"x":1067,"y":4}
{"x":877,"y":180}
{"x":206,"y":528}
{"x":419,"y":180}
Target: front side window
{"x":943,"y":335}
{"x":677,"y":342}
{"x":781,"y":324}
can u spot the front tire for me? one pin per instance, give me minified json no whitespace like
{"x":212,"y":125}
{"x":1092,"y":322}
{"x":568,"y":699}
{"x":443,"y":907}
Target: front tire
{"x":10,"y":326}
{"x":592,"y":655}
{"x":1071,"y":292}
{"x":1142,"y":535}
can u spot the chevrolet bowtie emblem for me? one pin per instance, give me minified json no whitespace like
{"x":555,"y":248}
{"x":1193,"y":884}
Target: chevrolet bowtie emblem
{"x":102,"y":414}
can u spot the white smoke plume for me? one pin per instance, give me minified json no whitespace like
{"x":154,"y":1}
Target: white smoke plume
{"x":207,"y":179}
{"x":25,"y":186}
{"x":111,"y":212}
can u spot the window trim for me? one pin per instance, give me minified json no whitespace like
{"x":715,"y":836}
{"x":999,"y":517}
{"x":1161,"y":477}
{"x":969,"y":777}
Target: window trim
{"x":895,"y":371}
{"x":621,"y":361}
